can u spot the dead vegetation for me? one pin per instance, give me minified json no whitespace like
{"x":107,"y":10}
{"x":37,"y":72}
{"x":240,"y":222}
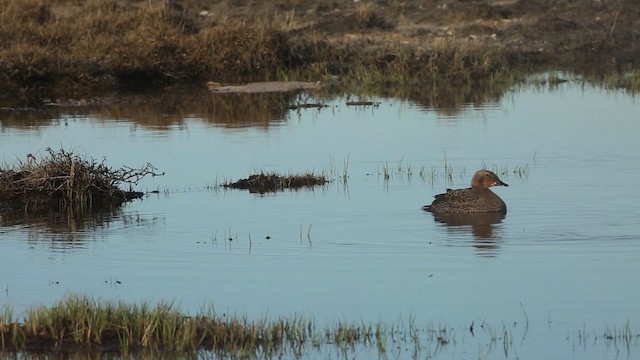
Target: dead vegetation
{"x":63,"y":180}
{"x":66,"y":48}
{"x":272,"y":182}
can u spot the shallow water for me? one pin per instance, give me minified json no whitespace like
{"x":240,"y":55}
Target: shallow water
{"x":565,"y":257}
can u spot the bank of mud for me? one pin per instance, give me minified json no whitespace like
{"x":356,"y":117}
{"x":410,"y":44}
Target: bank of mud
{"x":65,"y":49}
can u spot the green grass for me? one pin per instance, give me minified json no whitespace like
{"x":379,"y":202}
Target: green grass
{"x":433,"y":173}
{"x":79,"y":324}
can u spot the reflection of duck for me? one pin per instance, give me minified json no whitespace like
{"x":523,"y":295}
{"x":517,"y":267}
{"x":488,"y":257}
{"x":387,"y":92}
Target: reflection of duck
{"x":480,"y":225}
{"x":476,"y":199}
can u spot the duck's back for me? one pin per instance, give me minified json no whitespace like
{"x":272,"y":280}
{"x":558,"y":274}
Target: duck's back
{"x":467,"y":201}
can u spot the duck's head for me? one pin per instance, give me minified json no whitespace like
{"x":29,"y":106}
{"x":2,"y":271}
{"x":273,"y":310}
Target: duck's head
{"x":484,"y":179}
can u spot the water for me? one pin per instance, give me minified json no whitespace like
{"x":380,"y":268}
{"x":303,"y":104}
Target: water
{"x":564,"y":259}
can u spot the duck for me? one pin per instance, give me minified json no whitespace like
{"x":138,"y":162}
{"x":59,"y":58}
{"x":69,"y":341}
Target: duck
{"x":477,"y":199}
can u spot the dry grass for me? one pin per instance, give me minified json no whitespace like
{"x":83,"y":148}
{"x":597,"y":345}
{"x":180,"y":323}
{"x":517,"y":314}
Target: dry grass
{"x":63,"y":180}
{"x":120,"y":42}
{"x":72,"y":46}
{"x":272,"y":182}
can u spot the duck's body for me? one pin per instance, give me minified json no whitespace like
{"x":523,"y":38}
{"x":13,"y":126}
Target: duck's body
{"x":476,"y":199}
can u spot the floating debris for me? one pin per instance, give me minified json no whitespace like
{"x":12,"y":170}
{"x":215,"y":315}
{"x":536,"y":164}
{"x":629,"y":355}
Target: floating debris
{"x":306,"y":106}
{"x":363,"y":103}
{"x":261,"y":87}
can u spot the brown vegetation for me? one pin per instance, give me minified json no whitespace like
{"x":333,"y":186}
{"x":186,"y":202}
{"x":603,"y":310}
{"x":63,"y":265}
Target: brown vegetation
{"x":74,"y":46}
{"x":271,"y":182}
{"x":63,"y":180}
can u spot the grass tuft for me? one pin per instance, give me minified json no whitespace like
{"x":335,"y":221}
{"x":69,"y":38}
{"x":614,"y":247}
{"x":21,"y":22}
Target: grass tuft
{"x":271,"y":182}
{"x":79,"y":324}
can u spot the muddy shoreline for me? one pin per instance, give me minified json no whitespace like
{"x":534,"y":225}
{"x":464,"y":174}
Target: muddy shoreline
{"x":68,"y":49}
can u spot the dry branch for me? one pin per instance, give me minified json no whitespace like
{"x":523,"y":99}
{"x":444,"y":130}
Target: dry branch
{"x":65,"y":180}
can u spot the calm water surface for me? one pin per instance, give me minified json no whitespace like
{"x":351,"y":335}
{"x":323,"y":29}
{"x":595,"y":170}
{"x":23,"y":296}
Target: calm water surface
{"x":565,"y":258}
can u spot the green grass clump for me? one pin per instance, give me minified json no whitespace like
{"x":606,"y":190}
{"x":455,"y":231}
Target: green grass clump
{"x":79,"y":324}
{"x":83,"y":324}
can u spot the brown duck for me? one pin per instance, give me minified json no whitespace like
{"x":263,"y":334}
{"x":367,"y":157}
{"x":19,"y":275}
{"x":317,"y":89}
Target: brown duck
{"x":476,"y":199}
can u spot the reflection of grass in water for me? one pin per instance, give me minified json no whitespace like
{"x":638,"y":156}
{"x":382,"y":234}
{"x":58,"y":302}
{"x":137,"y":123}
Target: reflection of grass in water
{"x":345,"y":170}
{"x":626,"y":334}
{"x":79,"y":323}
{"x":385,"y":171}
{"x":308,"y":234}
{"x":336,"y":174}
{"x":629,"y":80}
{"x":612,"y":337}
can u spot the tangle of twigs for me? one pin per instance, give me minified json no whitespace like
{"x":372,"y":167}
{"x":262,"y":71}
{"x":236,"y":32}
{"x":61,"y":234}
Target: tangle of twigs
{"x":65,"y":180}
